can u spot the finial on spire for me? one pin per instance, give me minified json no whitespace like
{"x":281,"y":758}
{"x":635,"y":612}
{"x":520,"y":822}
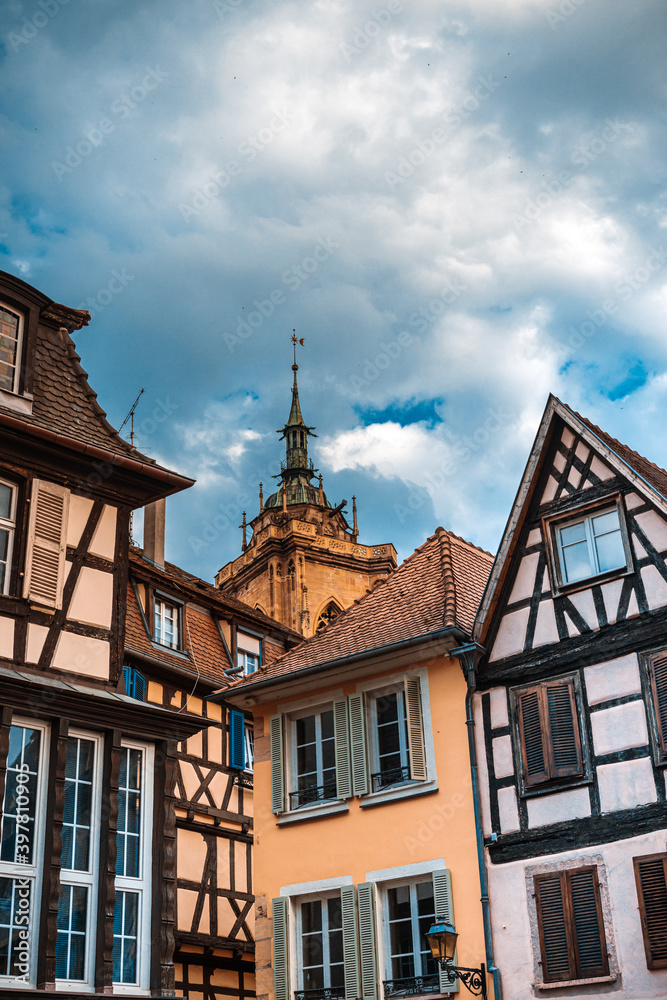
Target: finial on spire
{"x":244,"y":526}
{"x":355,"y":529}
{"x":261,"y":498}
{"x":321,"y":497}
{"x":295,"y":340}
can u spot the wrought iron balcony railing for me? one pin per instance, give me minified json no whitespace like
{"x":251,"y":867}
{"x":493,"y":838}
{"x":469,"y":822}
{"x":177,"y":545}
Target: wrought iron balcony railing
{"x":413,"y":987}
{"x":392,"y":776}
{"x":313,"y":793}
{"x":326,"y":993}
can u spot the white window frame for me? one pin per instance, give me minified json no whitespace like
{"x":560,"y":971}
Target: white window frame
{"x":249,"y":660}
{"x":88,"y":879}
{"x":9,"y":525}
{"x":298,"y":934}
{"x":160,"y":604}
{"x":385,"y":957}
{"x":404,"y":751}
{"x":586,"y":517}
{"x":249,"y":738}
{"x":373,"y":689}
{"x":142,"y":883}
{"x":19,"y":347}
{"x":292,"y":772}
{"x":33,"y":871}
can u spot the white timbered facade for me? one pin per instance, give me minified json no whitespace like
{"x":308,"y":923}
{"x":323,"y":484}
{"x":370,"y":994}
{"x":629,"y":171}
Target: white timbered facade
{"x":571,"y":721}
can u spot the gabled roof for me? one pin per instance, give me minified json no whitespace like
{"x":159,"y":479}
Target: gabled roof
{"x":645,"y":475}
{"x":64,"y":406}
{"x":439,"y":586}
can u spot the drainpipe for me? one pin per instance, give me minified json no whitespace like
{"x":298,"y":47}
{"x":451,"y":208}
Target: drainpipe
{"x":467,"y":655}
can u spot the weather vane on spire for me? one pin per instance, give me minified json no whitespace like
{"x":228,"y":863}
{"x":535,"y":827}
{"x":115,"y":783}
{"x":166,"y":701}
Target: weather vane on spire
{"x":296,"y":340}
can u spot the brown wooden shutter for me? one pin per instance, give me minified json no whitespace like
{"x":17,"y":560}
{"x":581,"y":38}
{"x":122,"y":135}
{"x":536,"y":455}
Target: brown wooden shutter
{"x":47,"y":544}
{"x":589,"y":940}
{"x":556,"y":959}
{"x":533,"y":735}
{"x":658,"y":671}
{"x":564,"y":743}
{"x":651,"y":877}
{"x":571,"y":929}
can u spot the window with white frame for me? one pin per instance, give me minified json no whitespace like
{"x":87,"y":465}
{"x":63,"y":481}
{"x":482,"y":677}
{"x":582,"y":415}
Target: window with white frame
{"x":21,"y":847}
{"x":398,"y":753}
{"x":320,"y":943}
{"x":77,"y":906}
{"x":590,"y":545}
{"x":7,"y":529}
{"x":248,"y":652}
{"x":11,"y":332}
{"x":410,"y":912}
{"x":313,"y":759}
{"x":131,"y":926}
{"x":249,"y":748}
{"x":166,"y":623}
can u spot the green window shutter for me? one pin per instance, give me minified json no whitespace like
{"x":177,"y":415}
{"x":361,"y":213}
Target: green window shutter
{"x":444,"y":907}
{"x":413,"y":711}
{"x":277,"y":765}
{"x":280,"y":956}
{"x":342,"y":734}
{"x":358,"y":742}
{"x":348,"y":905}
{"x":367,"y":947}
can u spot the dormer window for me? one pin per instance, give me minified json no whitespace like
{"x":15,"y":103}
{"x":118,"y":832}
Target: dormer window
{"x":11,"y":331}
{"x":167,"y":623}
{"x":7,"y":527}
{"x":248,"y":652}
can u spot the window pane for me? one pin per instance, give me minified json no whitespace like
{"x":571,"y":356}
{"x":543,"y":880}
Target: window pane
{"x":128,"y":841}
{"x":311,"y":917}
{"x":78,"y":801}
{"x":9,"y":332}
{"x":604,"y":523}
{"x":5,"y":501}
{"x":611,"y":554}
{"x":4,"y":544}
{"x":20,"y":800}
{"x":125,"y":924}
{"x":577,"y":562}
{"x":305,"y":730}
{"x":71,"y":932}
{"x":572,"y":533}
{"x":15,"y":916}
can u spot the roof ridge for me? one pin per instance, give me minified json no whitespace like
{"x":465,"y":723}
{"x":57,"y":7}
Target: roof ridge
{"x":471,"y":545}
{"x":449,"y":580}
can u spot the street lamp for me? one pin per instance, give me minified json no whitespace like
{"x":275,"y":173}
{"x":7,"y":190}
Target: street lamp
{"x":442,"y":941}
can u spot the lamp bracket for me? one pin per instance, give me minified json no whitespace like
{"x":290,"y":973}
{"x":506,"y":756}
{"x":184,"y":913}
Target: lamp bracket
{"x":474,"y":980}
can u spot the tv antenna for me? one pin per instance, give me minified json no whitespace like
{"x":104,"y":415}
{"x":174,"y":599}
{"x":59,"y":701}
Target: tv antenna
{"x":130,"y":416}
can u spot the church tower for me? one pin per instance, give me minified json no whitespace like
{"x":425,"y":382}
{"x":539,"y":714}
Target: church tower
{"x":304,"y":563}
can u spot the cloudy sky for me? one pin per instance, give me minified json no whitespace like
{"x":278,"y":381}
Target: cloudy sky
{"x":459,"y":204}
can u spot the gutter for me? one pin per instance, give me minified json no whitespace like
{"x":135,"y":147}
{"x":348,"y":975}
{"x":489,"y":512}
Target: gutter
{"x":467,"y":655}
{"x":451,"y":631}
{"x":93,"y":451}
{"x":173,"y":668}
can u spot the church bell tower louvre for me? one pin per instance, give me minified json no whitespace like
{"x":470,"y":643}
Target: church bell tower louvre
{"x":304,"y":564}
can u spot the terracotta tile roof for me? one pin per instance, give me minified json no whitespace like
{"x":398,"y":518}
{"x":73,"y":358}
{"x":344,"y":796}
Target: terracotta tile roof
{"x":652,"y":473}
{"x":201,"y":638}
{"x":439,"y":585}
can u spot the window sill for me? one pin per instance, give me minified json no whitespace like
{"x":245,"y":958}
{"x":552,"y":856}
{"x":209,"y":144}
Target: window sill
{"x":314,"y":812}
{"x":565,"y":589}
{"x":563,"y":785}
{"x":399,"y":792}
{"x":576,"y":982}
{"x":18,"y":403}
{"x":164,"y":648}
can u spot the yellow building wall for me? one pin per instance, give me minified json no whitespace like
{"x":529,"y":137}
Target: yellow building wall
{"x":420,"y":828}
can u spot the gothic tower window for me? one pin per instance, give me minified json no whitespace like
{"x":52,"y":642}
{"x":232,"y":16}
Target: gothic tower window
{"x":327,"y":616}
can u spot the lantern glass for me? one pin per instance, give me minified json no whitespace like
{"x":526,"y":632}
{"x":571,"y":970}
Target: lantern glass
{"x":442,"y":941}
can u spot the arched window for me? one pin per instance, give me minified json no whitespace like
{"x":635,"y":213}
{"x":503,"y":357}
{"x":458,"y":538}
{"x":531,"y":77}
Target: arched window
{"x":328,"y":614}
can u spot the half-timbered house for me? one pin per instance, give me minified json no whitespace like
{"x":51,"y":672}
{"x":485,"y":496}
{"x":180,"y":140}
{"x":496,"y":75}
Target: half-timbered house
{"x":184,"y":640}
{"x":571,"y":721}
{"x":87,"y":866}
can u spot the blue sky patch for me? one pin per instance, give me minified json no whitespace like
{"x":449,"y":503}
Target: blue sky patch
{"x":410,"y":412}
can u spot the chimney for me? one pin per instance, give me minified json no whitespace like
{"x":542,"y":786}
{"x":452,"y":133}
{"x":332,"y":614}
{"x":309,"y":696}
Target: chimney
{"x":154,"y":520}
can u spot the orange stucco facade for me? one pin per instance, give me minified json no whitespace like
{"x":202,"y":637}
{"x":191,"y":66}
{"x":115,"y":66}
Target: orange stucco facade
{"x":399,"y":834}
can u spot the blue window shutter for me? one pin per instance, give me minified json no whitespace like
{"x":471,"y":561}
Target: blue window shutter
{"x":139,"y":686}
{"x":127,"y":678}
{"x":236,"y":739}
